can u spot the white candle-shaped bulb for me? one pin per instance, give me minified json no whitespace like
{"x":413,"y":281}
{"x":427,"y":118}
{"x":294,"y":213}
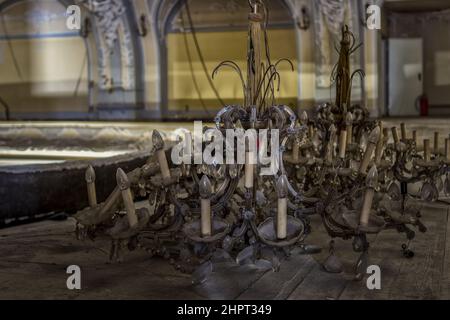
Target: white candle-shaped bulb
{"x":282,"y":191}
{"x":330,"y":148}
{"x":436,"y":143}
{"x":158,"y":144}
{"x":205,"y":190}
{"x":371,"y":184}
{"x":395,"y":135}
{"x":342,"y":143}
{"x":311,"y":130}
{"x":414,"y":136}
{"x":349,"y":127}
{"x":373,"y":140}
{"x":249,"y":170}
{"x":124,"y":185}
{"x":374,"y":135}
{"x":380,"y":146}
{"x":90,"y":183}
{"x":426,"y":150}
{"x":158,"y":141}
{"x":403,"y":130}
{"x":255,"y":8}
{"x":385,"y":135}
{"x":304,"y":118}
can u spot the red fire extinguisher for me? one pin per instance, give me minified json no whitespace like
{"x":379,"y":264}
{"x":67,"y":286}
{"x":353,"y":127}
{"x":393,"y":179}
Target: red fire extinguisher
{"x":422,"y":105}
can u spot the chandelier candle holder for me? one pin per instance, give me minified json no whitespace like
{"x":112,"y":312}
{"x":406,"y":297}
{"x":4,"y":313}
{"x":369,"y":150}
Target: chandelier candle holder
{"x":282,"y":190}
{"x":195,"y":214}
{"x":352,"y":202}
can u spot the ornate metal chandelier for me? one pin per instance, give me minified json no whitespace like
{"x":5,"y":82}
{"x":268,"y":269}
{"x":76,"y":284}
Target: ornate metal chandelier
{"x":337,"y":164}
{"x":360,"y":181}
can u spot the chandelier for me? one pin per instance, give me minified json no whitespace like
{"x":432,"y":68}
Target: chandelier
{"x":338,"y":164}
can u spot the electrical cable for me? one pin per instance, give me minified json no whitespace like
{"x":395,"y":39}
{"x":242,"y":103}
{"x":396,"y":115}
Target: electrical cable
{"x":11,"y":49}
{"x":191,"y":67}
{"x":205,"y":69}
{"x":6,"y":106}
{"x":83,"y":65}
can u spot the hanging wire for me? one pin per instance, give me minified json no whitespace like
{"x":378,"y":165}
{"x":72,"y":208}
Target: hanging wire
{"x":199,"y":52}
{"x":10,"y":46}
{"x":80,"y":76}
{"x":269,"y":74}
{"x":233,"y":65}
{"x":6,"y":107}
{"x":191,"y":67}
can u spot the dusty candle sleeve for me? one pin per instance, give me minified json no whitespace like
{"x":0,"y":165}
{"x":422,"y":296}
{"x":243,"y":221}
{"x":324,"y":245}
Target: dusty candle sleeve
{"x":282,"y":218}
{"x":249,"y":168}
{"x":206,"y":217}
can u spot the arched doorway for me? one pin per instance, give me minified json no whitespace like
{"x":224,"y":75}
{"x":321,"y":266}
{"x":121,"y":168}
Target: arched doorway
{"x":45,"y":65}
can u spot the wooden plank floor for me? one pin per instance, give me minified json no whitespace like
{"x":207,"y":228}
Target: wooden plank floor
{"x":34,"y":258}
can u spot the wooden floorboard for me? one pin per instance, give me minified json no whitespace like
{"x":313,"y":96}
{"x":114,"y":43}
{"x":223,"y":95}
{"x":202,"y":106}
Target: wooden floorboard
{"x":445,"y":286}
{"x":279,"y":285}
{"x":384,"y":252}
{"x":402,"y":278}
{"x":420,"y":277}
{"x":34,"y":258}
{"x":319,"y":285}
